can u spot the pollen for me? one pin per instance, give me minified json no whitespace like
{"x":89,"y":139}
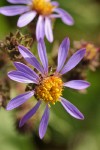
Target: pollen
{"x":42,"y":7}
{"x":49,"y":89}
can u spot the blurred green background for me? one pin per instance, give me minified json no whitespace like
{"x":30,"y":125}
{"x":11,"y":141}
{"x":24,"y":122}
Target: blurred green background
{"x":64,"y":132}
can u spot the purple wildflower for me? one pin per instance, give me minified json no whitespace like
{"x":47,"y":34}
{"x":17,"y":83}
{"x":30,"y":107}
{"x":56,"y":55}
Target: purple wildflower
{"x":46,"y":10}
{"x":48,"y":86}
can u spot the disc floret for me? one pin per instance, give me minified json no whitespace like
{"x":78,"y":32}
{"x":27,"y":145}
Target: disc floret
{"x":49,"y":89}
{"x":42,"y":7}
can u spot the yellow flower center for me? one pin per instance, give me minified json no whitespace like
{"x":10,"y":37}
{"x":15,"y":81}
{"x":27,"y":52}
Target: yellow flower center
{"x":49,"y":89}
{"x":90,"y":51}
{"x":43,"y":7}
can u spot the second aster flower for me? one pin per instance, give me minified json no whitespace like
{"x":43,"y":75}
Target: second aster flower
{"x":47,"y":86}
{"x":46,"y":10}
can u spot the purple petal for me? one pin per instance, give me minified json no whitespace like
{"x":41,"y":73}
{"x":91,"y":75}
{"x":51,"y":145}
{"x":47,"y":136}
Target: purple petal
{"x":43,"y":55}
{"x":30,"y":58}
{"x":29,"y":114}
{"x":77,"y":84}
{"x":48,"y":29}
{"x":73,"y":61}
{"x":65,"y":16}
{"x":40,"y":28}
{"x":25,"y":69}
{"x":19,"y":100}
{"x":54,"y":16}
{"x":62,"y":53}
{"x":13,"y":10}
{"x":26,"y":18}
{"x":54,"y":3}
{"x":71,"y":109}
{"x":18,"y":1}
{"x":44,"y":122}
{"x":21,"y":77}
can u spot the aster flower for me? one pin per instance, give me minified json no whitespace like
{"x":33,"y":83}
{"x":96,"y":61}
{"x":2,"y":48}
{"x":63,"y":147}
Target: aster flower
{"x":48,"y":86}
{"x":46,"y":10}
